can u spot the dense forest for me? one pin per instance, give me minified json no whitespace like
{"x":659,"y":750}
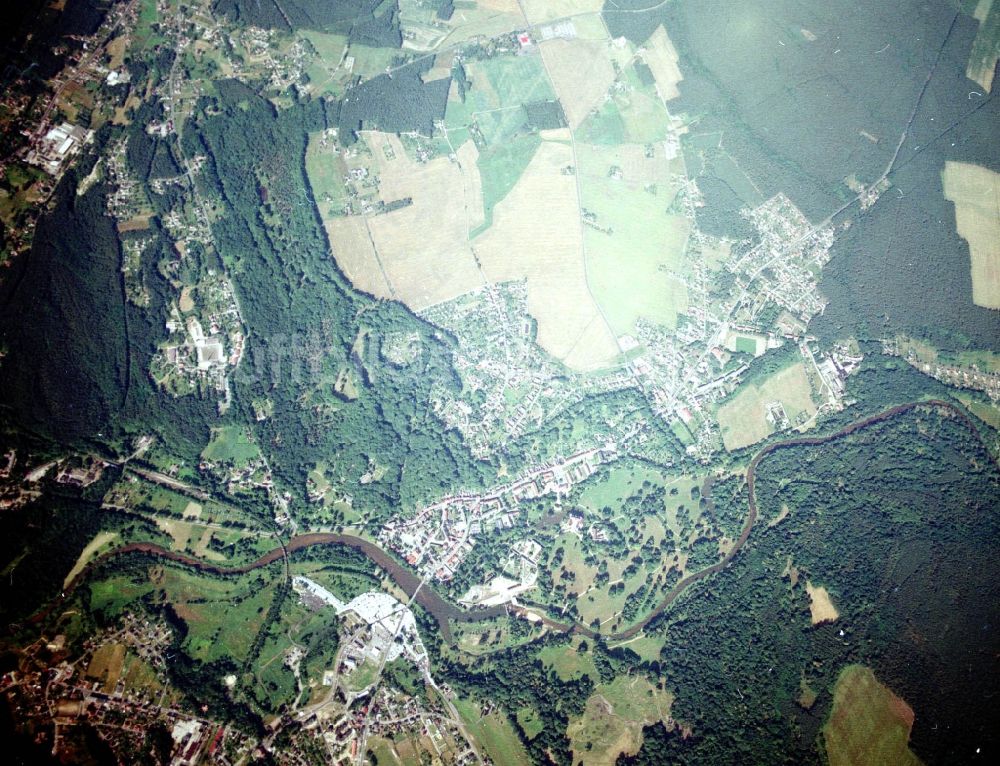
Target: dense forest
{"x":898,"y":522}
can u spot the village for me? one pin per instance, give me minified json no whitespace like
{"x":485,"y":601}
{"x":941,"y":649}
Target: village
{"x":98,"y":690}
{"x":356,"y":707}
{"x":439,"y":537}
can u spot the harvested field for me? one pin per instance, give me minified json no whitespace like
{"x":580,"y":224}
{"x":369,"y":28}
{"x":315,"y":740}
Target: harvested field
{"x":581,"y":73}
{"x":821,"y":608}
{"x":975,"y":191}
{"x":661,"y":58}
{"x":868,"y":723}
{"x":744,"y":417}
{"x":139,"y":223}
{"x":355,"y":255}
{"x":547,"y":251}
{"x":185,"y":303}
{"x":116,"y":51}
{"x":106,"y":665}
{"x":423,"y":247}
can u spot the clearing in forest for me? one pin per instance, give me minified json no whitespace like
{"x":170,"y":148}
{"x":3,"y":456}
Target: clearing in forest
{"x":661,"y":57}
{"x":868,"y":723}
{"x":975,"y":191}
{"x":821,"y":608}
{"x":612,"y":721}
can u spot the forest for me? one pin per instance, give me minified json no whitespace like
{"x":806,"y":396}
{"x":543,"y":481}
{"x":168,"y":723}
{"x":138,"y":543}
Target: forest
{"x":897,"y":521}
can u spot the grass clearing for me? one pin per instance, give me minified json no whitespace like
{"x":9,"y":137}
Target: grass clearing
{"x":231,"y":444}
{"x":986,"y":45}
{"x":530,"y":721}
{"x":568,"y":662}
{"x":744,"y":418}
{"x":821,"y":608}
{"x":101,"y":540}
{"x":975,"y":191}
{"x":611,"y":724}
{"x":494,"y":733}
{"x":868,"y":724}
{"x":661,"y":57}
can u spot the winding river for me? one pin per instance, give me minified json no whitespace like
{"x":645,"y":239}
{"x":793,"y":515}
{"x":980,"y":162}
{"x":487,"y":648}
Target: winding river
{"x":444,"y":611}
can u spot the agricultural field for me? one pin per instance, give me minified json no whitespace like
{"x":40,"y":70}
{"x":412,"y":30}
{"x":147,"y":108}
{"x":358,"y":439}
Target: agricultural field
{"x":606,"y":253}
{"x":495,"y":732}
{"x":101,"y":542}
{"x":868,"y":723}
{"x":611,"y":724}
{"x":634,"y":247}
{"x":975,"y":191}
{"x":744,"y":418}
{"x":231,"y":444}
{"x":105,"y":666}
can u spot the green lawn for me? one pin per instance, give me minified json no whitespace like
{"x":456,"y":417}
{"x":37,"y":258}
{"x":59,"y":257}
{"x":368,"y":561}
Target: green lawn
{"x":230,"y":444}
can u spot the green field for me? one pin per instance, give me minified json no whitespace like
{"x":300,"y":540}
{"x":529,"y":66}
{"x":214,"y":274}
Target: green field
{"x":612,"y":722}
{"x":568,"y":662}
{"x":868,"y":723}
{"x":494,"y":733}
{"x":636,"y":257}
{"x":326,"y":172}
{"x":500,"y":168}
{"x":530,"y":721}
{"x":743,"y":417}
{"x":231,"y":444}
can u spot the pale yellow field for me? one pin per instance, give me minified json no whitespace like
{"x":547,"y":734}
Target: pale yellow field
{"x":536,"y":235}
{"x":116,"y":51}
{"x":540,"y":11}
{"x":743,"y":419}
{"x":661,"y":57}
{"x":488,"y":19}
{"x":179,"y":532}
{"x":420,"y":254}
{"x":581,"y":74}
{"x":100,"y":540}
{"x":473,"y":185}
{"x":352,"y":249}
{"x":976,"y":193}
{"x":821,"y":608}
{"x":423,"y":247}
